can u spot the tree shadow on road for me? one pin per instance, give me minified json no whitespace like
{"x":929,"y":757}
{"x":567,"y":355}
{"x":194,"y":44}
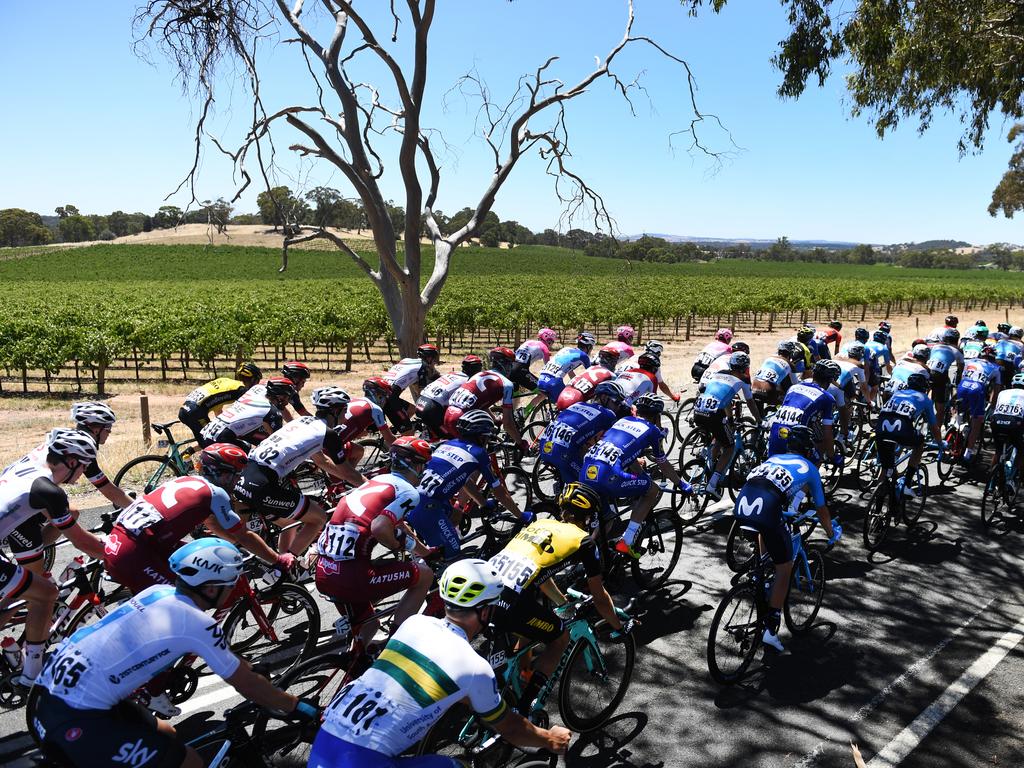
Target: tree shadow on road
{"x":665,"y":612}
{"x":607,"y":747}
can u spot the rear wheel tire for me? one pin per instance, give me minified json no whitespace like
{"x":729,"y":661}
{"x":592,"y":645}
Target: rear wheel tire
{"x":141,"y":475}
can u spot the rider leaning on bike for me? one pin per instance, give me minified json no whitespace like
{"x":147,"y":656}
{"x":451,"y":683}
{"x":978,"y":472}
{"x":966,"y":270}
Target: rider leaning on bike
{"x":1007,"y":422}
{"x":897,"y":425}
{"x":210,"y":399}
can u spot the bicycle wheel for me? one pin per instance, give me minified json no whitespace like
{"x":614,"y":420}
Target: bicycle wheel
{"x":375,"y":454}
{"x":502,"y":524}
{"x":533,"y":431}
{"x":694,"y":447}
{"x":735,"y":634}
{"x":545,"y":480}
{"x":293,"y":617}
{"x":740,"y":550}
{"x":831,"y":475}
{"x":951,"y":457}
{"x":595,"y":679}
{"x":806,"y":590}
{"x":681,"y":420}
{"x":877,"y":518}
{"x":743,"y":464}
{"x":696,"y":474}
{"x":913,"y":507}
{"x":460,"y":735}
{"x":993,"y":501}
{"x":869,"y":470}
{"x":141,"y":475}
{"x":661,"y":539}
{"x":287,"y":745}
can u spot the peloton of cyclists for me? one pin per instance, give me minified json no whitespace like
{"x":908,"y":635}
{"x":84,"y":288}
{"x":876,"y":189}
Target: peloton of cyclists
{"x":210,"y":399}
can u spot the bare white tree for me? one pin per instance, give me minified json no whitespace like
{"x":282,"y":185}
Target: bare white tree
{"x":344,"y":124}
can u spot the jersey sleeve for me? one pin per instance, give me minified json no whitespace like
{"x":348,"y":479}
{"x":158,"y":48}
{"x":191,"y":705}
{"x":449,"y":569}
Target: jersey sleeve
{"x":95,"y":475}
{"x":404,"y":503}
{"x":47,"y":496}
{"x":506,"y":392}
{"x":376,"y":416}
{"x":814,"y":486}
{"x":484,"y":462}
{"x":828,"y":406}
{"x":745,"y":390}
{"x":484,"y":697}
{"x":928,"y":409}
{"x":657,"y":447}
{"x":220,"y":508}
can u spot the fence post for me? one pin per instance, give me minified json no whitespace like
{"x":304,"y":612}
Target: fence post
{"x":147,"y":438}
{"x":771,"y":321}
{"x":24,"y":380}
{"x":348,"y":356}
{"x":101,"y":378}
{"x":689,"y":326}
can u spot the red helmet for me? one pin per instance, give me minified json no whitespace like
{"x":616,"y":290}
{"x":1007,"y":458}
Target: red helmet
{"x":377,"y":388}
{"x":408,"y":450}
{"x":471,"y":364}
{"x":280,"y":387}
{"x":295,"y":371}
{"x":501,"y":358}
{"x":223,"y":457}
{"x":428,"y":352}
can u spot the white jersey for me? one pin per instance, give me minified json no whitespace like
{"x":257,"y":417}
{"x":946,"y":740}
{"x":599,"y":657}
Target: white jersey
{"x":36,"y":458}
{"x":631,"y":362}
{"x":291,"y":445}
{"x":103,"y":663}
{"x":26,"y":490}
{"x":851,"y":370}
{"x":634,"y":383}
{"x":403,"y":373}
{"x":440,"y":390}
{"x":243,"y":417}
{"x":426,"y":667}
{"x":718,"y":365}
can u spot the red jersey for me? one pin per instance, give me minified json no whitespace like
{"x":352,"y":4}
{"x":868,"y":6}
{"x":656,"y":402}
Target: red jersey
{"x":360,"y":415}
{"x":483,"y":390}
{"x":582,"y":387}
{"x":347,"y":536}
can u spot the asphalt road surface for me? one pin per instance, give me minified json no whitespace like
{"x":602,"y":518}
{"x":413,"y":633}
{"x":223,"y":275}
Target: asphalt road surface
{"x":915,"y":658}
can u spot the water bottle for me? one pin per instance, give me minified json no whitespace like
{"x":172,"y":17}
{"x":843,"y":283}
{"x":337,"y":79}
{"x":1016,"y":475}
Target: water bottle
{"x":12,"y":652}
{"x":70,"y":568}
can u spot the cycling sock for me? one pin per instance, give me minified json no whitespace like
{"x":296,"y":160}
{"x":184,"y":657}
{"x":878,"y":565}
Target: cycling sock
{"x":774,"y":620}
{"x":32,"y":663}
{"x":629,"y":535}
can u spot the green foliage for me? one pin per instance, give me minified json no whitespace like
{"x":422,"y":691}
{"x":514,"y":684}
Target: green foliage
{"x":76,"y":228}
{"x":1008,"y":195}
{"x":20,"y":227}
{"x":278,"y":206}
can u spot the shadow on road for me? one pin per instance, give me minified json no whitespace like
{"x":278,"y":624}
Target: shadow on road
{"x":608,"y":747}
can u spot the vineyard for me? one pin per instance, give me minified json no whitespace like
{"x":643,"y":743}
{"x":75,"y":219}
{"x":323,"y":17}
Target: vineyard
{"x":121,"y":310}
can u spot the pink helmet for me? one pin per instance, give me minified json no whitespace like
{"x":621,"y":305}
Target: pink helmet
{"x":547,"y":335}
{"x":624,"y":333}
{"x":723,"y":335}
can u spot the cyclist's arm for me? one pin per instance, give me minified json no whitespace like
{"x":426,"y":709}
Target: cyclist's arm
{"x":509,"y":424}
{"x":383,"y":530}
{"x":603,"y":602}
{"x":473,"y":492}
{"x":552,"y":592}
{"x":84,"y":541}
{"x":115,"y":495}
{"x":505,"y":498}
{"x":748,"y":396}
{"x":256,"y":688}
{"x":47,"y":497}
{"x":517,"y":730}
{"x":248,"y":540}
{"x":664,"y":387}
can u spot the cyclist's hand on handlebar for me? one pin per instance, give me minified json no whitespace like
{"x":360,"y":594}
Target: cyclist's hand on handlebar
{"x":527,"y":517}
{"x":676,"y":397}
{"x":558,"y":739}
{"x":307,"y":710}
{"x":837,"y":534}
{"x":285,"y":561}
{"x":685,"y":487}
{"x":628,"y":625}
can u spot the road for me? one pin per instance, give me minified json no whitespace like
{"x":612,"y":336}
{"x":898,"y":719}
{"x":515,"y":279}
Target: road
{"x":915,"y":658}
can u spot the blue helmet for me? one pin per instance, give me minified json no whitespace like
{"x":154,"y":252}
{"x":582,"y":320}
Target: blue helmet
{"x":209,"y":561}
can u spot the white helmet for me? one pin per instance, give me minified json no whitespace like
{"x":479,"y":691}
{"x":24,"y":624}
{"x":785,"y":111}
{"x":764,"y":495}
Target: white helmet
{"x":71,"y":443}
{"x":207,"y":562}
{"x":92,"y":413}
{"x":330,"y":397}
{"x":470,"y":583}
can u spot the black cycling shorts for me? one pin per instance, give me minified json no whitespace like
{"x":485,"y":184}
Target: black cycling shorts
{"x":717,"y":425}
{"x":521,"y":376}
{"x":940,"y":387}
{"x":761,"y":506}
{"x":26,"y":541}
{"x":99,"y":738}
{"x":260,"y":489}
{"x":396,"y":409}
{"x":195,"y":417}
{"x":1007,"y":430}
{"x":523,"y":615}
{"x":893,"y":430}
{"x":697,"y":371}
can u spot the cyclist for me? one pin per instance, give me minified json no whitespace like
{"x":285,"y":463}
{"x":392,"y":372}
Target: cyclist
{"x":526,"y":566}
{"x":611,"y":465}
{"x":411,"y":373}
{"x":84,"y":717}
{"x":210,"y":399}
{"x":811,"y":404}
{"x":851,"y":382}
{"x":915,"y":361}
{"x":575,"y":429}
{"x":712,"y":411}
{"x":485,"y":389}
{"x":880,"y":353}
{"x":297,"y":373}
{"x":657,"y":349}
{"x":974,"y":342}
{"x":1010,"y":351}
{"x":1001,"y":332}
{"x":773,"y":490}
{"x":722,"y":345}
{"x":566,"y":360}
{"x":252,"y":417}
{"x":897,"y":426}
{"x":623,"y":343}
{"x":582,"y":387}
{"x":943,"y":357}
{"x":529,"y":352}
{"x":447,"y":473}
{"x":376,"y":512}
{"x":804,"y":337}
{"x":264,"y":487}
{"x":980,"y":384}
{"x":1007,"y":421}
{"x":639,"y":381}
{"x":434,"y":398}
{"x":427,"y":667}
{"x":951,"y":321}
{"x":30,"y":496}
{"x":361,"y":415}
{"x":778,"y":373}
{"x":830,"y":335}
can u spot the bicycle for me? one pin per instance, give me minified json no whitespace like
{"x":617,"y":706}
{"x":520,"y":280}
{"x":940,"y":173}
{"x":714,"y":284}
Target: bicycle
{"x":144,"y":473}
{"x":741,"y":617}
{"x":889,"y":505}
{"x":1000,"y":496}
{"x":697,"y":472}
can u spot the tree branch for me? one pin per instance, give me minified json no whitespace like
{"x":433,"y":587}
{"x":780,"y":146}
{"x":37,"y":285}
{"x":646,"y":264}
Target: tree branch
{"x":371,"y":273}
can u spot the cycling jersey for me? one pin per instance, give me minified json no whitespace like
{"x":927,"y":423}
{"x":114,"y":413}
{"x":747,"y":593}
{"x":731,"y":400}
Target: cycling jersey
{"x":1009,"y":351}
{"x":426,"y":667}
{"x":942,"y":359}
{"x":563,"y":440}
{"x":625,"y":350}
{"x":483,"y":390}
{"x":295,"y":442}
{"x":903,"y":371}
{"x":37,"y":456}
{"x":606,"y":464}
{"x":718,"y":365}
{"x":408,"y":371}
{"x":975,"y":384}
{"x":806,"y":403}
{"x":972,"y":348}
{"x":636,"y":382}
{"x":719,"y":392}
{"x":532,"y":350}
{"x":881,"y":354}
{"x":441,"y":389}
{"x":243,"y":420}
{"x":777,"y":372}
{"x":850,"y":377}
{"x":211,"y":398}
{"x":1009,"y":406}
{"x":566,"y":360}
{"x":711,"y":351}
{"x":828,"y":336}
{"x":361,"y":415}
{"x":910,"y":404}
{"x":28,"y":498}
{"x":535,"y":553}
{"x":629,"y":364}
{"x":581,"y":388}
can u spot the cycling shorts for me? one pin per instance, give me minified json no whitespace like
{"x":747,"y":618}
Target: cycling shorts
{"x":523,"y":615}
{"x":612,"y":482}
{"x":331,"y":752}
{"x":874,"y":376}
{"x":893,"y":430}
{"x":359,"y":583}
{"x":396,"y":409}
{"x":430,"y":520}
{"x":26,"y":541}
{"x":568,"y":463}
{"x":431,"y":413}
{"x":766,"y":393}
{"x":195,"y":417}
{"x":940,"y":387}
{"x":14,"y":580}
{"x":126,"y":734}
{"x":1007,"y":430}
{"x":760,"y":506}
{"x":259,"y":488}
{"x":521,"y":376}
{"x":130,"y":562}
{"x":551,"y":385}
{"x":717,"y":425}
{"x":972,"y":397}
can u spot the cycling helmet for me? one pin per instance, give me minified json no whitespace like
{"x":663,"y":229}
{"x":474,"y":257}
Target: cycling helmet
{"x":784,"y":349}
{"x":408,"y":452}
{"x":921,"y":352}
{"x":1017,"y":382}
{"x":472,"y":365}
{"x":375,"y":388}
{"x":649,"y":362}
{"x":739,"y":361}
{"x":221,"y":458}
{"x":207,"y":562}
{"x":804,"y":334}
{"x":650,"y":403}
{"x":547,"y":335}
{"x":475,"y":423}
{"x":578,"y":501}
{"x":327,"y":398}
{"x":989,"y":353}
{"x":796,"y":353}
{"x":249,"y":371}
{"x":428,"y":352}
{"x":501,"y":358}
{"x":885,"y":325}
{"x":612,"y":390}
{"x":799,"y":439}
{"x":92,"y":414}
{"x":470,"y":583}
{"x":1016,"y":332}
{"x":654,"y":347}
{"x":861,"y":335}
{"x":826,"y":370}
{"x":586,"y":340}
{"x":981,"y":324}
{"x":932,"y":338}
{"x":915,"y":342}
{"x":295,"y":371}
{"x":855,"y":351}
{"x":71,"y":444}
{"x":980,"y":332}
{"x":723,"y":335}
{"x":951,"y":336}
{"x":1003,"y":327}
{"x":741,"y":346}
{"x":608,"y":358}
{"x":918,"y":382}
{"x":951,"y":321}
{"x":280,"y":387}
{"x":880,"y":336}
{"x":835,"y":325}
{"x":624,"y":333}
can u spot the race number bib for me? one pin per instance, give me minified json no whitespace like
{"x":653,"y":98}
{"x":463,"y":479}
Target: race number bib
{"x":706,"y":404}
{"x":788,"y":414}
{"x":560,"y":434}
{"x":359,"y":709}
{"x":774,"y":474}
{"x":430,"y":482}
{"x":552,"y":368}
{"x":767,"y":374}
{"x":338,"y":542}
{"x":1014,"y":410}
{"x":515,"y":571}
{"x":606,"y":453}
{"x":464,"y":399}
{"x":138,"y":517}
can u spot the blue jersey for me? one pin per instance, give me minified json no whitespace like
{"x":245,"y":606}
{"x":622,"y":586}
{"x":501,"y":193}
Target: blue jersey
{"x":942,"y":359}
{"x":789,"y":473}
{"x":902,"y":372}
{"x":1009,"y":351}
{"x":983,"y":372}
{"x":566,"y":360}
{"x":909,"y":403}
{"x":819,"y":348}
{"x":777,"y":372}
{"x":719,"y":392}
{"x":623,"y":444}
{"x":573,"y":428}
{"x":880,"y":353}
{"x":806,"y":403}
{"x":451,"y":466}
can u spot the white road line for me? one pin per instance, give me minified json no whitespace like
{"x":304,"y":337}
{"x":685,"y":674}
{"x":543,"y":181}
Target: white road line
{"x":206,"y":701}
{"x":909,"y":738}
{"x":911,"y":672}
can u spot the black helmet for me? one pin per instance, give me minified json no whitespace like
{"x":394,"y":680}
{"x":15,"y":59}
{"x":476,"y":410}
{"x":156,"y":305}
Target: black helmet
{"x":249,"y":372}
{"x":918,"y":382}
{"x":826,"y":370}
{"x":741,"y":346}
{"x":649,"y":362}
{"x":836,"y":325}
{"x":799,"y":439}
{"x":578,"y":501}
{"x":861,"y":335}
{"x":295,"y":371}
{"x":474,"y":424}
{"x":612,"y":390}
{"x":650,"y":403}
{"x":880,"y":336}
{"x":951,"y":336}
{"x":952,"y":320}
{"x":1003,"y":327}
{"x":855,"y":351}
{"x":281,"y":387}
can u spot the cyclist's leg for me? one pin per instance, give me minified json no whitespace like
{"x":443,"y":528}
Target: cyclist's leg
{"x":132,"y":565}
{"x":194,"y":418}
{"x":537,"y":623}
{"x":645,"y":491}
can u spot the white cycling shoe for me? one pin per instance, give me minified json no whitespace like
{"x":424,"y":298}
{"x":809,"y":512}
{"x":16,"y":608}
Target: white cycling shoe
{"x":769,"y":638}
{"x":162,"y":707}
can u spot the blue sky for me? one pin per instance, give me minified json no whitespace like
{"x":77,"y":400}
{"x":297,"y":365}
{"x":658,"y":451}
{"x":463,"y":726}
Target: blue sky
{"x":89,"y":123}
